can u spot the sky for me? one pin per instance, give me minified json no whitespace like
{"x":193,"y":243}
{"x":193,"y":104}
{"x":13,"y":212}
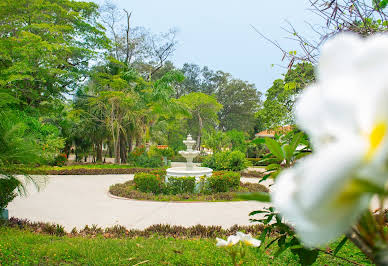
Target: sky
{"x":217,"y":33}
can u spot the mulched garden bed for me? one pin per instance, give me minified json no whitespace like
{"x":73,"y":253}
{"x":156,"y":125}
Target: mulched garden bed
{"x":128,"y":190}
{"x":118,"y":231}
{"x":86,"y":171}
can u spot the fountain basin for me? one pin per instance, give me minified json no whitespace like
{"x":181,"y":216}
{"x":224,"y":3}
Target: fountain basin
{"x":197,"y":172}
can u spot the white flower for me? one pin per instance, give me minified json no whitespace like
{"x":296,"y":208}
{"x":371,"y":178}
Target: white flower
{"x":232,"y":240}
{"x":248,"y":239}
{"x":346,"y":116}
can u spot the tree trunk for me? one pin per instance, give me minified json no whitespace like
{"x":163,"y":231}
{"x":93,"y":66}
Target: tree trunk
{"x":130,"y":144}
{"x":199,"y":132}
{"x":123,"y":148}
{"x":99,"y":152}
{"x":117,"y":147}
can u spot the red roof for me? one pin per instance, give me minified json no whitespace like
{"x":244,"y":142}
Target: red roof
{"x":271,"y":132}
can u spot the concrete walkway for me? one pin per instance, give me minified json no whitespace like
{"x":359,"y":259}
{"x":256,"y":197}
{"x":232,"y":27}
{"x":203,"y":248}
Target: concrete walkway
{"x":79,"y":200}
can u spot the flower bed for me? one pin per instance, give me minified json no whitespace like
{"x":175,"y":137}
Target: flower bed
{"x":108,"y":169}
{"x":222,"y":186}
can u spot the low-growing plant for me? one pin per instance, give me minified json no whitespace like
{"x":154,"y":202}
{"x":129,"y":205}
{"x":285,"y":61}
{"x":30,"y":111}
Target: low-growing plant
{"x":228,"y":160}
{"x":60,"y":160}
{"x":148,"y":183}
{"x":8,"y":184}
{"x":145,"y":160}
{"x":222,"y":182}
{"x":180,"y":185}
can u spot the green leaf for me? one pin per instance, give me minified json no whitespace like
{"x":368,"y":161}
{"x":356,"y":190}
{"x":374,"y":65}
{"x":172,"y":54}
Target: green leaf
{"x":362,"y":185}
{"x":273,"y":166}
{"x":340,"y":245}
{"x":257,"y":212}
{"x":288,"y":151}
{"x":257,"y":196}
{"x":275,"y":148}
{"x":295,"y":141}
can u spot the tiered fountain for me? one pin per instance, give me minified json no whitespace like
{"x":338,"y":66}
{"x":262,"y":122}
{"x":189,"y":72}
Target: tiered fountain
{"x":189,"y":169}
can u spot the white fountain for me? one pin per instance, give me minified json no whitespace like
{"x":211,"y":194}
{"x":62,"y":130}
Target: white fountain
{"x":190,"y":169}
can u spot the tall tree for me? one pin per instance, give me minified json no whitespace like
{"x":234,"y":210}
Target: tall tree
{"x":203,"y":109}
{"x":241,"y":101}
{"x":45,"y":47}
{"x":280,"y":98}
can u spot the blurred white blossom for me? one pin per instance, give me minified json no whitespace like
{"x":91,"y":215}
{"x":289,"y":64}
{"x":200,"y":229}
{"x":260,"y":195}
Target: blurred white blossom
{"x":346,"y":116}
{"x":232,"y":240}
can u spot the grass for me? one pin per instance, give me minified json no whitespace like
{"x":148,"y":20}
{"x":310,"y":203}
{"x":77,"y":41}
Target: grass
{"x":19,"y":247}
{"x":128,"y":190}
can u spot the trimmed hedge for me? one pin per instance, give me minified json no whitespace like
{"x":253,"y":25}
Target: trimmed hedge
{"x":222,"y":182}
{"x":228,"y":160}
{"x":128,"y":190}
{"x":148,"y":182}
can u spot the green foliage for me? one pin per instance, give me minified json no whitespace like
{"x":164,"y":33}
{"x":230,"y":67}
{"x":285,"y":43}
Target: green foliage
{"x":280,"y":98}
{"x":203,"y":111}
{"x":165,"y":152}
{"x":145,"y":160}
{"x":216,"y":140}
{"x":228,"y":160}
{"x":148,"y":183}
{"x":8,"y":185}
{"x":240,"y":99}
{"x":45,"y":47}
{"x":180,"y":185}
{"x":222,"y":182}
{"x":238,"y":140}
{"x":158,"y":244}
{"x":60,"y":160}
{"x":128,"y":190}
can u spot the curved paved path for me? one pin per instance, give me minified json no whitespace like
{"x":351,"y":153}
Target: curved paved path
{"x":79,"y":200}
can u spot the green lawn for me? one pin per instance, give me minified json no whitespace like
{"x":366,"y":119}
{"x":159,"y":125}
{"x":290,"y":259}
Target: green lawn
{"x":23,"y":247}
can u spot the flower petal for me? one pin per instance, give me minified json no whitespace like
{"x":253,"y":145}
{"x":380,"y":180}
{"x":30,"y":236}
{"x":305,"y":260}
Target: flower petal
{"x":221,"y":242}
{"x":316,"y":195}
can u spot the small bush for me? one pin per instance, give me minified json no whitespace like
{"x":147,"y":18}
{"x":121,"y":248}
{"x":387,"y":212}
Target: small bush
{"x":160,"y":172}
{"x":234,"y":161}
{"x":237,"y":161}
{"x":148,"y":183}
{"x":222,"y":182}
{"x":7,"y":188}
{"x":60,"y":160}
{"x":148,"y":161}
{"x":180,"y":185}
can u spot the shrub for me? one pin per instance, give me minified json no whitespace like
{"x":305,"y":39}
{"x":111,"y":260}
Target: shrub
{"x":180,"y":185}
{"x":60,"y":160}
{"x":148,"y":183}
{"x":7,"y":190}
{"x":234,"y":161}
{"x":149,"y":161}
{"x":222,"y":182}
{"x":159,"y":172}
{"x":165,"y":152}
{"x":237,"y":161}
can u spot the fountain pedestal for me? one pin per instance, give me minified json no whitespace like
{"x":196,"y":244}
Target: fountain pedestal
{"x":190,"y":169}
